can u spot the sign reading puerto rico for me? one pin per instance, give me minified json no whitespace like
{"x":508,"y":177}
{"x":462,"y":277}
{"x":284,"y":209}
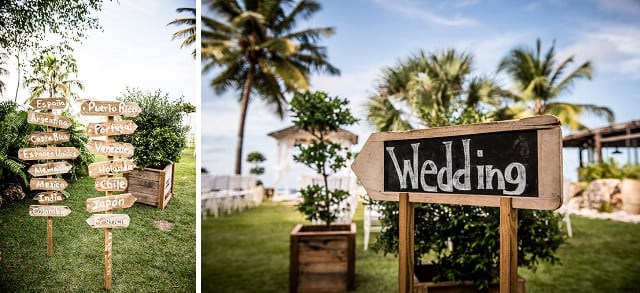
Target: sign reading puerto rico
{"x":51,"y":120}
{"x":100,"y":147}
{"x":109,"y":108}
{"x":111,"y":128}
{"x":48,"y":103}
{"x":49,"y":137}
{"x":470,"y":164}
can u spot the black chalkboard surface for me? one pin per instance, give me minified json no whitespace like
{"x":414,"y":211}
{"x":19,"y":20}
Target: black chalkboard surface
{"x":498,"y":163}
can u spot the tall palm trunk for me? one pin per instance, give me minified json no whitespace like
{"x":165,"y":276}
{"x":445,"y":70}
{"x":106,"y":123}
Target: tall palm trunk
{"x":538,"y":108}
{"x":244,"y":103}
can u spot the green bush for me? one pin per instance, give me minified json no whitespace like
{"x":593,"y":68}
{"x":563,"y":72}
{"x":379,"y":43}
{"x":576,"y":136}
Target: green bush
{"x":608,"y":169}
{"x":161,"y":134}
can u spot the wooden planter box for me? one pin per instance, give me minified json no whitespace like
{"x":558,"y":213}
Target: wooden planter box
{"x":322,"y":259}
{"x":423,"y":276}
{"x":152,"y":186}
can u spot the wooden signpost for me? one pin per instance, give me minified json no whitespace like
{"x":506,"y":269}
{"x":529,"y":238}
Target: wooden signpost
{"x":105,"y":172}
{"x":514,"y":164}
{"x":48,"y":139}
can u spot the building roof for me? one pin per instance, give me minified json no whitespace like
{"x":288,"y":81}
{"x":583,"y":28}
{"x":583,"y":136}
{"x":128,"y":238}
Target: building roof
{"x":615,"y":135}
{"x":297,"y":135}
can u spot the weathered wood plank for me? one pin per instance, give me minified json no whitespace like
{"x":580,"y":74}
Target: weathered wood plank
{"x":46,"y":119}
{"x":47,"y":138}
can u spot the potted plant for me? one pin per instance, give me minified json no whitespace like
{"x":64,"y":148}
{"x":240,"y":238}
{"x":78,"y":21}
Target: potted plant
{"x":322,"y":256}
{"x":158,"y":140}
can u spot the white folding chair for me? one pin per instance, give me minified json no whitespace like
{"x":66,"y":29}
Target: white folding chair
{"x":372,"y":216}
{"x":564,"y":209}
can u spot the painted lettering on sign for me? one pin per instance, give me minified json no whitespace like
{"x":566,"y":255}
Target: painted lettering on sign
{"x":108,"y":221}
{"x":49,"y":168}
{"x":44,"y":138}
{"x":109,"y":108}
{"x":48,"y":120}
{"x":111,"y":128}
{"x":48,"y":103}
{"x":100,"y":147}
{"x":111,"y":184}
{"x":49,"y":197}
{"x":48,"y":211}
{"x":47,"y":184}
{"x":47,"y":153}
{"x":110,"y":167}
{"x":112,"y":202}
{"x":502,"y":163}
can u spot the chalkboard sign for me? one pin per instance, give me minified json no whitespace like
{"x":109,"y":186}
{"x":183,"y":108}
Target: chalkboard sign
{"x":498,"y":163}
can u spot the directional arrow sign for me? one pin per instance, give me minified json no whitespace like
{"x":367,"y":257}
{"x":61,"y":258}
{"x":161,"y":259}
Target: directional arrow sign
{"x":100,"y":147}
{"x":48,"y":120}
{"x":469,"y":164}
{"x":108,"y":203}
{"x":49,"y":197}
{"x":47,"y":184}
{"x":110,"y":167}
{"x":48,"y":211}
{"x":48,"y":153}
{"x":109,"y":221}
{"x":51,"y":168}
{"x":52,"y":137}
{"x":111,"y":128}
{"x":111,"y":184}
{"x":109,"y":108}
{"x":48,"y":103}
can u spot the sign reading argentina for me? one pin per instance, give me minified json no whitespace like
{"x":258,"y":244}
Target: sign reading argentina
{"x":497,"y":163}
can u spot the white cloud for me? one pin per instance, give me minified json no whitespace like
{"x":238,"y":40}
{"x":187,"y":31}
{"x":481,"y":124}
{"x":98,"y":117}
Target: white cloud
{"x":630,"y":7}
{"x":407,"y":9}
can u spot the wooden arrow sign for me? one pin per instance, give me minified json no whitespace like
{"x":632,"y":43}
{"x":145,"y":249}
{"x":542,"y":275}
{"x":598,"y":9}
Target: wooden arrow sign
{"x":111,"y":184}
{"x":47,"y":184}
{"x":51,"y":168}
{"x":110,"y":167}
{"x":109,"y":108}
{"x":48,"y":103}
{"x":45,"y":119}
{"x":111,"y":128}
{"x":100,"y":147}
{"x":46,"y":138}
{"x":48,"y":153}
{"x":48,"y":211}
{"x":98,"y":221}
{"x":109,"y":203}
{"x":470,"y":164}
{"x":49,"y":197}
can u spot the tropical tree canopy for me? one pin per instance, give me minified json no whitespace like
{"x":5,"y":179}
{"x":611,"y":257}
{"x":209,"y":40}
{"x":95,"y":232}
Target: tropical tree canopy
{"x":254,"y":48}
{"x":54,"y":76}
{"x":433,"y":89}
{"x":188,"y":32}
{"x":539,"y":80}
{"x":3,"y":71}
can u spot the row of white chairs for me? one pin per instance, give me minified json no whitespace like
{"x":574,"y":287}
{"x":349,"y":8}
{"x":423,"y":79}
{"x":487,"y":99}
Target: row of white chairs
{"x":228,"y":194}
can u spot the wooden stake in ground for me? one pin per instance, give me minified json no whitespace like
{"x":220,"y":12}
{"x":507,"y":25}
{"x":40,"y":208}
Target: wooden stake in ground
{"x":516,"y":164}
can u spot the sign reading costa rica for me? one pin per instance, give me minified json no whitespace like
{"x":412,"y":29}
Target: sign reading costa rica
{"x":46,"y":138}
{"x":469,"y":164}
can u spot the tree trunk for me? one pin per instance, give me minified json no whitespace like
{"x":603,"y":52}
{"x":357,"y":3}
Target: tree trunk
{"x":538,"y":110}
{"x":244,"y":104}
{"x":15,"y":98}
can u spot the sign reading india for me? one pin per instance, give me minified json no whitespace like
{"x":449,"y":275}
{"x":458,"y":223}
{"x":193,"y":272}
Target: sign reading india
{"x":48,"y":211}
{"x":48,"y":120}
{"x":111,"y":184}
{"x":109,"y":221}
{"x":49,"y":197}
{"x":48,"y":103}
{"x":111,"y":128}
{"x":468,"y":164}
{"x":51,"y":168}
{"x":108,"y":203}
{"x":110,"y":167}
{"x":109,"y":108}
{"x":100,"y":147}
{"x":47,"y":184}
{"x":50,"y":137}
{"x":48,"y":153}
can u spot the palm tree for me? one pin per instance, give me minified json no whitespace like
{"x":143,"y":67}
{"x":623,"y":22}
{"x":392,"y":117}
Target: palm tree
{"x":255,"y":49}
{"x":539,"y":80}
{"x":52,"y":76}
{"x":3,"y":71}
{"x":429,"y":90}
{"x":188,"y":34}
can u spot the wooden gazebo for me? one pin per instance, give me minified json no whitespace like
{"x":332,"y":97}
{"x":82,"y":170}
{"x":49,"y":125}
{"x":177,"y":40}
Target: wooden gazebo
{"x":593,"y":141}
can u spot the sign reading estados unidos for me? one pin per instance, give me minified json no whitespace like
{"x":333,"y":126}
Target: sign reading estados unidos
{"x":48,"y":153}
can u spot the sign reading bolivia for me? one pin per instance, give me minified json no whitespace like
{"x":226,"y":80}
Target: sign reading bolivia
{"x":100,"y":147}
{"x":109,"y":108}
{"x":108,"y":203}
{"x":48,"y":184}
{"x":46,"y":138}
{"x":48,"y":103}
{"x":48,"y":211}
{"x":110,"y":167}
{"x":48,"y":153}
{"x":111,"y":128}
{"x":98,"y":221}
{"x":51,"y":168}
{"x":45,"y":119}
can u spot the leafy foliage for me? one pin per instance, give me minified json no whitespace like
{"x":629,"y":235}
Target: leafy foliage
{"x":256,"y":158}
{"x":188,"y":34}
{"x":608,"y":169}
{"x":54,"y":76}
{"x":13,"y":126}
{"x":161,"y":135}
{"x":319,"y":115}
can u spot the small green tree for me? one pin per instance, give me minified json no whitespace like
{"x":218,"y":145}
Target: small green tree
{"x":256,"y":158}
{"x":319,"y":115}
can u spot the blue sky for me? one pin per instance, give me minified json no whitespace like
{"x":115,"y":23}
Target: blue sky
{"x":373,"y":34}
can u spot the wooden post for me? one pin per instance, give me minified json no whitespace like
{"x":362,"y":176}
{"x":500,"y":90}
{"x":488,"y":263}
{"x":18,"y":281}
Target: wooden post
{"x":49,"y":236}
{"x":108,"y":235}
{"x":508,"y":246}
{"x":405,"y":245}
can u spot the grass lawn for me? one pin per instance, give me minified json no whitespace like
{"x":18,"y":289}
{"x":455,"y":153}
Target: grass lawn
{"x":145,"y":259}
{"x":249,"y":252}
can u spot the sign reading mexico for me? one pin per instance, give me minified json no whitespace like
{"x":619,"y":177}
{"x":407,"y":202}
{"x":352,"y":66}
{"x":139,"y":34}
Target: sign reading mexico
{"x":470,"y":164}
